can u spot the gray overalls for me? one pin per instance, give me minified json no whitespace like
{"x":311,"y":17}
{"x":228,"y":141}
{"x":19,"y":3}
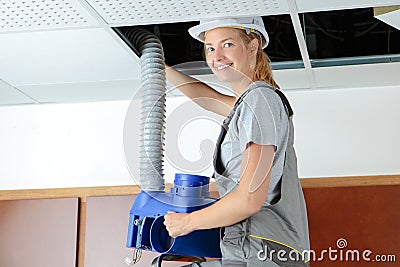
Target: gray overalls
{"x":278,"y":234}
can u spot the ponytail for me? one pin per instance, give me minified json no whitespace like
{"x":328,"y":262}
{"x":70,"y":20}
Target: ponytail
{"x":263,"y":70}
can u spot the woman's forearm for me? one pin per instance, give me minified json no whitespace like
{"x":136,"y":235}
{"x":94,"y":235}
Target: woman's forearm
{"x":201,"y":93}
{"x":243,"y":202}
{"x":226,"y":211}
{"x":240,"y":204}
{"x":188,"y":85}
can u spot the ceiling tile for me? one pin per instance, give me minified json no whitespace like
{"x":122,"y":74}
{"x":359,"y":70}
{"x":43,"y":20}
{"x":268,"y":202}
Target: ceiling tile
{"x":391,"y":18}
{"x":10,"y":95}
{"x":312,"y":6}
{"x":84,"y":92}
{"x":66,"y":56}
{"x":143,"y":12}
{"x":355,"y":76}
{"x":43,"y":14}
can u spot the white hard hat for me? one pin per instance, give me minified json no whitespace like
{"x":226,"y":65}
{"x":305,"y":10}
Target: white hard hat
{"x":251,"y":24}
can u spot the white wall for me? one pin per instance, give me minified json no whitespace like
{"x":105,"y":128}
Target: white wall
{"x":345,"y":132}
{"x":64,"y":145}
{"x":339,"y":132}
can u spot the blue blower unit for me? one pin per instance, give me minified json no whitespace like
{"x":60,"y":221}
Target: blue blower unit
{"x":146,"y":229}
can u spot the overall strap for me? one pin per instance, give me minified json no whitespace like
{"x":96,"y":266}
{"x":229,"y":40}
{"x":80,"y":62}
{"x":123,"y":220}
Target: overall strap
{"x":285,"y":102}
{"x":225,"y":125}
{"x":218,"y":166}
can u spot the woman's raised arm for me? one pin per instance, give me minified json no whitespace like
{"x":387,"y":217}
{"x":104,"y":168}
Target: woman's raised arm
{"x":201,"y":93}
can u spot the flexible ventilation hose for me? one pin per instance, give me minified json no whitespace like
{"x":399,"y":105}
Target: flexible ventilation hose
{"x":153,"y":92}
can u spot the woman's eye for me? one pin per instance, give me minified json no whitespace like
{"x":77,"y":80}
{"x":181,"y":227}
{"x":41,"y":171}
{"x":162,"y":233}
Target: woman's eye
{"x":226,"y":45}
{"x":210,"y":49}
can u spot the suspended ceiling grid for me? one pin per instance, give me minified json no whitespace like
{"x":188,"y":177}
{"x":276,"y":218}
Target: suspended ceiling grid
{"x":66,"y":51}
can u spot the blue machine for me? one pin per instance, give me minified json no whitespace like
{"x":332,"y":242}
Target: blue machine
{"x":146,"y":229}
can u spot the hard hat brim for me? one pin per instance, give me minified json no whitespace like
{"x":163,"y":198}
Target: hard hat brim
{"x":198,"y":31}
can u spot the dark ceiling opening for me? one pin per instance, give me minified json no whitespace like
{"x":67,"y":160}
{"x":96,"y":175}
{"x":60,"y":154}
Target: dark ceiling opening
{"x":349,"y":33}
{"x":328,"y":34}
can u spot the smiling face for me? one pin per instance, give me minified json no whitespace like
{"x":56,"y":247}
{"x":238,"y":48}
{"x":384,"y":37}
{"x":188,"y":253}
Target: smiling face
{"x":229,"y":58}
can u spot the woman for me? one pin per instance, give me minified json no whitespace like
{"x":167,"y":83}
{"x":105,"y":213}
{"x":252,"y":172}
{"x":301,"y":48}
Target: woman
{"x":262,"y":210}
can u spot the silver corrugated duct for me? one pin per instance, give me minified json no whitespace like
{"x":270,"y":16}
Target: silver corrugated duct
{"x":153,"y":91}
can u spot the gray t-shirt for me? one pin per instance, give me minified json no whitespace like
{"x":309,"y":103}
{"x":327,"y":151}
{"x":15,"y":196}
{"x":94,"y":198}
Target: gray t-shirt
{"x":262,"y":119}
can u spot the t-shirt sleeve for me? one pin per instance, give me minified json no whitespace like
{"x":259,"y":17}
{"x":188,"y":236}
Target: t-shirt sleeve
{"x":256,"y":122}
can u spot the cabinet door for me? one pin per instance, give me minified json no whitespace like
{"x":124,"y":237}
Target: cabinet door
{"x":347,"y":222}
{"x":38,"y":233}
{"x":106,"y":230}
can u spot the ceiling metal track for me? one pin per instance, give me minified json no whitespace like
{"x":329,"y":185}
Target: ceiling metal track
{"x":201,"y":68}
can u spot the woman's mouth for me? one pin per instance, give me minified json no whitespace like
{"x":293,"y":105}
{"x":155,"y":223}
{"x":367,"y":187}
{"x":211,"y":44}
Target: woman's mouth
{"x":224,"y":66}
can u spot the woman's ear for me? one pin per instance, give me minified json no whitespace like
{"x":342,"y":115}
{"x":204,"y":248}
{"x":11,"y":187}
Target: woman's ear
{"x":254,"y":46}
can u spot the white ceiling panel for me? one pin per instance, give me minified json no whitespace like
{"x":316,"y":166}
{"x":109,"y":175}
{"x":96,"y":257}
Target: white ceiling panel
{"x":83,"y":92}
{"x":352,"y":76}
{"x":287,"y":79}
{"x":10,"y":95}
{"x":65,"y":56}
{"x":291,"y":78}
{"x":369,"y":75}
{"x":391,"y":18}
{"x":143,"y":12}
{"x":17,"y":15}
{"x":325,"y":5}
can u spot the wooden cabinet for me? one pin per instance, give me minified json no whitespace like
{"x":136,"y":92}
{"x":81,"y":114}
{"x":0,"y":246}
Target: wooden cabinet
{"x":38,"y":233}
{"x":106,"y":230}
{"x":87,"y":227}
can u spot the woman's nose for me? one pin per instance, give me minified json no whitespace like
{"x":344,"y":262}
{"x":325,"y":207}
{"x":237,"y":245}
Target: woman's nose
{"x":218,"y":55}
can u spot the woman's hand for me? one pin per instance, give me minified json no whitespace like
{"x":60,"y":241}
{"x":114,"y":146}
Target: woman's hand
{"x":177,"y":224}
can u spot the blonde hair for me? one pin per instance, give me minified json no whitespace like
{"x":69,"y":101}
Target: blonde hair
{"x":262,"y":70}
